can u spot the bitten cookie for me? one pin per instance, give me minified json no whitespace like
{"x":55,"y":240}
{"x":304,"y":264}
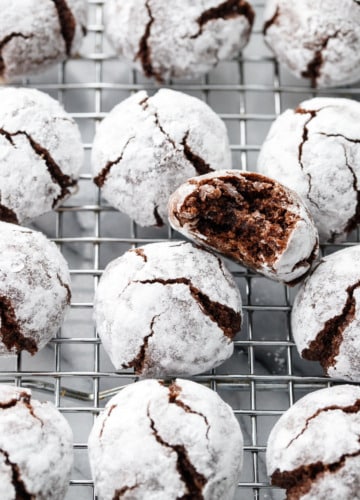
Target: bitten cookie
{"x":315,"y":150}
{"x":147,"y":146}
{"x":36,"y":34}
{"x":250,"y":218}
{"x":180,"y":38}
{"x":325,"y":317}
{"x":166,"y":309}
{"x":41,"y":154}
{"x":184,"y":429}
{"x":313,"y":451}
{"x":36,"y":453}
{"x":314,"y":41}
{"x":34,"y":289}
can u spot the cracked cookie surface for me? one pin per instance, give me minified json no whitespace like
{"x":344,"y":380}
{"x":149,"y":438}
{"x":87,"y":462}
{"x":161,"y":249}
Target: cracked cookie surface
{"x":159,"y":310}
{"x":183,"y":428}
{"x":315,"y":150}
{"x":325,"y":317}
{"x":41,"y":154}
{"x":304,"y":453}
{"x":313,"y":41}
{"x":35,"y":448}
{"x":34,"y":289}
{"x":180,"y":38}
{"x":147,"y":146}
{"x":249,"y":218}
{"x":35,"y":35}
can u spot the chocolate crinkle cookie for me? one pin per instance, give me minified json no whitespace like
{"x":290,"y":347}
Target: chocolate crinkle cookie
{"x":315,"y":150}
{"x":314,"y":40}
{"x":166,"y":309}
{"x":35,"y":34}
{"x":166,"y":442}
{"x":41,"y":154}
{"x":314,"y":451}
{"x":36,"y":453}
{"x":180,"y":38}
{"x":147,"y":146}
{"x":249,"y":218}
{"x":325,"y":317}
{"x":34,"y":289}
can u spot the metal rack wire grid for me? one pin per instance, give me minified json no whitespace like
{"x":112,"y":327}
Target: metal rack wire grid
{"x":265,"y":375}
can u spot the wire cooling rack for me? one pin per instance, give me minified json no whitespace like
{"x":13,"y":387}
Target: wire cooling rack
{"x":265,"y":375}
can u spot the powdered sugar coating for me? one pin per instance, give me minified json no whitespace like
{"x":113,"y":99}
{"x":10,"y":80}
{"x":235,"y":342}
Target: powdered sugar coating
{"x":179,"y":38}
{"x":36,"y":34}
{"x":315,"y":150}
{"x":184,"y":429}
{"x":304,"y":452}
{"x":313,"y":41}
{"x":41,"y":154}
{"x":159,"y":309}
{"x":34,"y":289}
{"x":36,"y":454}
{"x":293,"y":253}
{"x":325,"y":317}
{"x":147,"y":146}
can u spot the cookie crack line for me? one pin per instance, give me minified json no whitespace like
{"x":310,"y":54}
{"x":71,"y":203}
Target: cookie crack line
{"x":158,"y":218}
{"x":144,"y":52}
{"x":145,"y":105}
{"x":271,"y":21}
{"x":226,"y":10}
{"x":355,"y":219}
{"x":67,"y":288}
{"x":10,"y":329}
{"x":326,"y":345}
{"x":199,"y":164}
{"x":228,"y":320}
{"x":25,"y":398}
{"x":7,"y":215}
{"x":6,"y":40}
{"x":174,"y":395}
{"x":62,"y":180}
{"x":140,"y":252}
{"x":349,"y":139}
{"x":112,"y":408}
{"x":193,"y":480}
{"x":313,"y":69}
{"x":67,"y":23}
{"x":299,"y":481}
{"x":138,"y":363}
{"x":101,"y":178}
{"x":21,"y":492}
{"x":354,"y":408}
{"x":122,"y":491}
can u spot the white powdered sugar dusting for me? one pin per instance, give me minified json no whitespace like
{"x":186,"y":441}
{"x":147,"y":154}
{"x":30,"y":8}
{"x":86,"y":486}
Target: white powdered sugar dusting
{"x":304,"y":449}
{"x":326,"y":315}
{"x":36,"y":454}
{"x":147,"y":146}
{"x":34,"y":289}
{"x":315,"y":150}
{"x":313,"y":41}
{"x":185,"y":429}
{"x":179,"y":38}
{"x":41,"y":153}
{"x":36,"y":34}
{"x":159,"y":309}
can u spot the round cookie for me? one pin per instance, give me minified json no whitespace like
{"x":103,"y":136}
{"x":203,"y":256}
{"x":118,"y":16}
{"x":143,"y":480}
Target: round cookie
{"x":166,"y":309}
{"x":315,"y":150}
{"x":313,"y":451}
{"x":41,"y":154}
{"x":147,"y":146}
{"x":249,"y":218}
{"x":184,"y":429}
{"x":325,"y":317}
{"x":34,"y":289}
{"x":36,"y":453}
{"x":313,"y":41}
{"x":177,"y":39}
{"x":36,"y":34}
